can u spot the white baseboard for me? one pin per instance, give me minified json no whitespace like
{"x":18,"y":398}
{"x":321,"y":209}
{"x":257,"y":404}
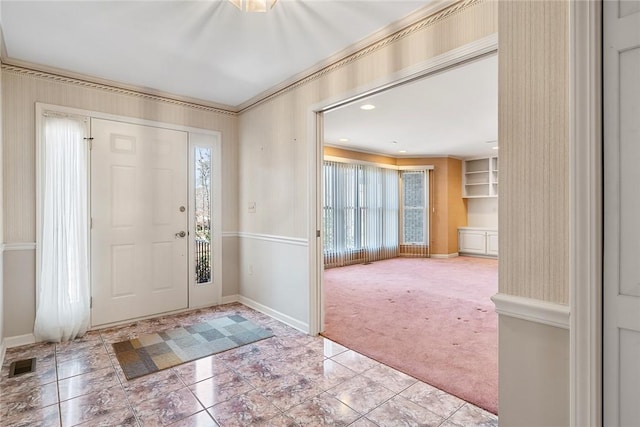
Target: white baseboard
{"x":294,"y":323}
{"x":479,"y":255}
{"x":3,"y":351}
{"x":533,"y":310}
{"x":230,"y":299}
{"x":17,"y":341}
{"x":443,"y":256}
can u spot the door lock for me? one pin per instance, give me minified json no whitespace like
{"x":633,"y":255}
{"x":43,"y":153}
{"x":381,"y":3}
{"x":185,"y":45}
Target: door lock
{"x":181,"y":234}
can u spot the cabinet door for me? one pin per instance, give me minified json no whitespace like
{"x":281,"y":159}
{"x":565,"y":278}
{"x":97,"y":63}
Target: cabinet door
{"x":472,"y":242}
{"x":492,"y":243}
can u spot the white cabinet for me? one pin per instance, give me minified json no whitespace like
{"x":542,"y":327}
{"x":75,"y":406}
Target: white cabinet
{"x":480,"y":177}
{"x":472,"y":242}
{"x":477,"y":241}
{"x":492,"y":243}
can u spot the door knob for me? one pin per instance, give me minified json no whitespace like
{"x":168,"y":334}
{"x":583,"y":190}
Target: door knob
{"x":181,"y":234}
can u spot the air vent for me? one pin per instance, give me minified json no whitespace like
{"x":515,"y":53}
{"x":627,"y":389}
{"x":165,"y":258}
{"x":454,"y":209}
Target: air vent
{"x":22,"y":367}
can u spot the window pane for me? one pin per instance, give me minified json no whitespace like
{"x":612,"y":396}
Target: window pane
{"x":202,"y":212}
{"x":413,"y":194}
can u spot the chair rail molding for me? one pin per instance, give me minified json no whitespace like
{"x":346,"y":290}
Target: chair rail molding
{"x":276,"y":239}
{"x":19,"y":246}
{"x":532,"y":310}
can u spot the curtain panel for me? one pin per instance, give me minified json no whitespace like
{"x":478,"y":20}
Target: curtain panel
{"x":63,"y":311}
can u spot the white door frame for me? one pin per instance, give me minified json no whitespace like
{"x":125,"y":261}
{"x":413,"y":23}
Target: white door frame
{"x":197,"y":297}
{"x":585,"y":213}
{"x":471,"y":51}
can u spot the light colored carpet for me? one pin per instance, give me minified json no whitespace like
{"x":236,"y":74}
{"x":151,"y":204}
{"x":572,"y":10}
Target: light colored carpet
{"x":429,"y":318}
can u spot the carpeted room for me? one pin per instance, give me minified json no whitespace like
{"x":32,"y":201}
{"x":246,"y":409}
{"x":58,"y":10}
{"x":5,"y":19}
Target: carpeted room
{"x":430,"y":318}
{"x":407,"y":188}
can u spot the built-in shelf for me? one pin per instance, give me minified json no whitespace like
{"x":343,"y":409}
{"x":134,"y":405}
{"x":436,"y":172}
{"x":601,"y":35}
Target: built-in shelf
{"x":480,"y":177}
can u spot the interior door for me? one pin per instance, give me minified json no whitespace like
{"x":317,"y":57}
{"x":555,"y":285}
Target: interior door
{"x":139,"y":262}
{"x":621,"y":356}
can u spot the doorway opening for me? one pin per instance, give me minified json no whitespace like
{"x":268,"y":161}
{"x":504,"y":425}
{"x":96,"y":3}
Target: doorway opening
{"x":439,"y":131}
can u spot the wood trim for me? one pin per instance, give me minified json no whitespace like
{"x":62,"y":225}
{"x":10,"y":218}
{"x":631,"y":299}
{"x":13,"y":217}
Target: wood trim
{"x":64,"y":76}
{"x":585,"y":213}
{"x":277,"y":239}
{"x":230,"y":299}
{"x":311,"y":75}
{"x":532,"y":310}
{"x":20,"y":246}
{"x":444,"y":256}
{"x":3,"y":352}
{"x":288,"y":320}
{"x":17,"y":341}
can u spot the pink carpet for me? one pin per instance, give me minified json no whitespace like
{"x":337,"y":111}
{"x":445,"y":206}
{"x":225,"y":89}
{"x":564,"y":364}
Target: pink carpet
{"x":429,"y":318}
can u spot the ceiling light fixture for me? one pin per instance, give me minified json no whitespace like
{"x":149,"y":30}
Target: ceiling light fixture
{"x":344,"y":140}
{"x":254,"y":5}
{"x":402,"y":151}
{"x":495,"y":148}
{"x":367,"y":107}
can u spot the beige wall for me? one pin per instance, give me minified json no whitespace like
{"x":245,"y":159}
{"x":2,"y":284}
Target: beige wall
{"x":533,"y":386}
{"x":22,"y":89}
{"x":457,"y":205}
{"x":533,"y":207}
{"x":534,"y":142}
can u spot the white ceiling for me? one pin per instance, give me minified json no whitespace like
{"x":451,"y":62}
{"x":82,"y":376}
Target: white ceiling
{"x":205,"y":49}
{"x":211,"y":51}
{"x":453,"y":113}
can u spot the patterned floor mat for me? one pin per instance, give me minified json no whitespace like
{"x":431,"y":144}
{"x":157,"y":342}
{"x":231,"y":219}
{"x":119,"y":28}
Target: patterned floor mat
{"x":154,"y":352}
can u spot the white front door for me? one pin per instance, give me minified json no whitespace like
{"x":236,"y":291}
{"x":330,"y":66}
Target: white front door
{"x":621,"y":294}
{"x":138,"y":212}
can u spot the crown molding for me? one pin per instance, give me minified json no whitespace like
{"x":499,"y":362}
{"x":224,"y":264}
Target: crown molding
{"x":425,"y":17}
{"x":435,"y":12}
{"x":65,"y":76}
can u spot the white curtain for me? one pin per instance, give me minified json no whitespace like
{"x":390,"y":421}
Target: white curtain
{"x":63,"y":292}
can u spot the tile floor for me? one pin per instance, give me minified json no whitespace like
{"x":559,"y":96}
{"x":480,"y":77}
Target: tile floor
{"x":291,"y":379}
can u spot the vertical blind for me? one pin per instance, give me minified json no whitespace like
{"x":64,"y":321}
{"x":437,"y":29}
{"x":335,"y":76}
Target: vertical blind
{"x":360,"y":213}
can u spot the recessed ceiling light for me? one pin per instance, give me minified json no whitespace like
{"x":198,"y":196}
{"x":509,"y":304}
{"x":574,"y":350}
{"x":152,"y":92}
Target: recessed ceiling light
{"x":402,"y":151}
{"x":367,"y":107}
{"x":344,"y":140}
{"x":495,"y":148}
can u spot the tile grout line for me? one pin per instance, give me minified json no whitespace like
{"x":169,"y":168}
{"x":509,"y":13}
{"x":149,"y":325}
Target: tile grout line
{"x":115,"y":371}
{"x":55,"y":361}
